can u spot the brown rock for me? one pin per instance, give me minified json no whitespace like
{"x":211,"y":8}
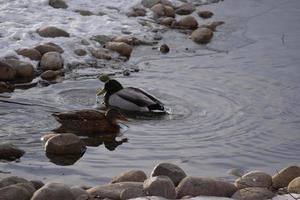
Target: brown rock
{"x":212,"y":25}
{"x":58,"y":4}
{"x":188,"y":22}
{"x":65,"y":144}
{"x":59,"y":49}
{"x":45,"y":48}
{"x":158,"y":9}
{"x":50,"y":75}
{"x":149,"y":3}
{"x":80,"y":52}
{"x":84,"y":12}
{"x":185,"y":9}
{"x":37,"y":184}
{"x":166,"y":21}
{"x":285,"y":176}
{"x":10,"y":152}
{"x":196,"y":186}
{"x":136,"y":12}
{"x":51,"y":61}
{"x":130,"y":193}
{"x":32,"y":54}
{"x":23,"y":69}
{"x":79,"y":193}
{"x":169,"y":11}
{"x":175,"y":173}
{"x":205,"y":14}
{"x":130,"y":176}
{"x":12,"y":180}
{"x":253,"y":193}
{"x":202,"y":35}
{"x":254,"y":179}
{"x":53,"y":191}
{"x":160,"y":186}
{"x":122,"y":48}
{"x":6,"y":87}
{"x":294,"y":186}
{"x":51,"y":31}
{"x":100,"y":54}
{"x":7,"y":72}
{"x":20,"y":191}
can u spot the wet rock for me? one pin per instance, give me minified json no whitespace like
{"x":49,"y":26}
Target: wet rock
{"x":160,"y":186}
{"x":50,"y":75}
{"x":46,"y":137}
{"x":122,"y":48}
{"x":37,"y":184}
{"x":196,"y":186}
{"x":32,"y":54}
{"x":163,"y":10}
{"x":285,"y":176}
{"x":130,"y":176}
{"x":136,"y":12}
{"x":45,"y":48}
{"x":84,"y":12}
{"x":294,"y":186}
{"x":113,"y":191}
{"x":53,"y":191}
{"x":100,"y":54}
{"x":202,"y":35}
{"x":24,"y":70}
{"x":7,"y":72}
{"x":126,"y":72}
{"x":132,"y":40}
{"x":58,"y":48}
{"x":79,"y":193}
{"x":58,"y":4}
{"x":130,"y":193}
{"x":10,"y":152}
{"x":188,"y":22}
{"x":12,"y":180}
{"x":52,"y":31}
{"x":185,"y":9}
{"x":254,"y":179}
{"x":169,"y":11}
{"x":164,"y":48}
{"x":19,"y":191}
{"x":205,"y":14}
{"x":51,"y":61}
{"x":102,"y":39}
{"x":253,"y":193}
{"x":149,"y":3}
{"x":166,"y":21}
{"x":175,"y":173}
{"x":65,"y":144}
{"x":6,"y":87}
{"x":80,"y":52}
{"x":212,"y":25}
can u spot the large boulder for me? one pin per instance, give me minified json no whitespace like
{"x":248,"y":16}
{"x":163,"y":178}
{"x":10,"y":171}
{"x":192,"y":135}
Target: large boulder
{"x":65,"y":144}
{"x":188,"y":22}
{"x":196,"y":186}
{"x":24,"y":70}
{"x":254,"y":179}
{"x":121,"y":47}
{"x":253,"y":193}
{"x":58,"y":4}
{"x":160,"y":186}
{"x":52,"y":31}
{"x":32,"y":54}
{"x":51,"y":61}
{"x":175,"y":173}
{"x":7,"y":72}
{"x":202,"y":35}
{"x":10,"y":152}
{"x":53,"y":191}
{"x":285,"y":176}
{"x":294,"y":186}
{"x":130,"y":176}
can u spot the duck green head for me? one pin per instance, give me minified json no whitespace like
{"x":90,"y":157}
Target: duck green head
{"x":110,"y":87}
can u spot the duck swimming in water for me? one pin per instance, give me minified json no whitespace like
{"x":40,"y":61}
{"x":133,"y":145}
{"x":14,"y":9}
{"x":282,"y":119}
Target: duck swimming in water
{"x":129,"y":99}
{"x":89,"y":122}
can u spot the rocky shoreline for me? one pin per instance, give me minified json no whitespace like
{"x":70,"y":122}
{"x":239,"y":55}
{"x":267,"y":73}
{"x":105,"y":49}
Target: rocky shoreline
{"x":166,"y":181}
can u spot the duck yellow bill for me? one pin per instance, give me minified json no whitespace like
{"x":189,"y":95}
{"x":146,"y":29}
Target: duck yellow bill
{"x":100,"y":91}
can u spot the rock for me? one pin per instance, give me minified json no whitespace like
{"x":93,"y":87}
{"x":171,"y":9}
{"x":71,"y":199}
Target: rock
{"x":196,"y":186}
{"x":103,"y":77}
{"x":53,"y":191}
{"x":254,"y":179}
{"x":202,"y":35}
{"x":253,"y":193}
{"x":45,"y":48}
{"x":101,"y":39}
{"x":188,"y":22}
{"x":130,"y":176}
{"x":130,"y":193}
{"x":52,"y":31}
{"x":294,"y":186}
{"x":122,"y":48}
{"x":160,"y":186}
{"x":58,"y":4}
{"x":79,"y":193}
{"x":6,"y":87}
{"x":164,"y":48}
{"x":80,"y":52}
{"x":46,"y":137}
{"x":114,"y":191}
{"x":51,"y":61}
{"x":149,"y":3}
{"x":65,"y":144}
{"x":37,"y":184}
{"x":24,"y":70}
{"x":84,"y":12}
{"x":175,"y":173}
{"x":166,"y":21}
{"x":12,"y":180}
{"x":7,"y":72}
{"x":58,"y":48}
{"x":32,"y":54}
{"x":10,"y":152}
{"x":185,"y":9}
{"x":136,"y":12}
{"x":285,"y":176}
{"x":169,"y":11}
{"x":126,"y":72}
{"x":50,"y":75}
{"x":212,"y":25}
{"x":20,"y":191}
{"x":205,"y":14}
{"x":166,"y":3}
{"x":100,"y":54}
{"x":163,"y":10}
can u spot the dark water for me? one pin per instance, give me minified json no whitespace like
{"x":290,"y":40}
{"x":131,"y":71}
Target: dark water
{"x":235,"y":104}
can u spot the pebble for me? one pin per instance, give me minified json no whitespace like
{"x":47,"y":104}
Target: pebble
{"x":52,"y":32}
{"x":32,"y":54}
{"x":130,"y":176}
{"x":84,"y":12}
{"x":45,"y":48}
{"x":160,"y":186}
{"x":285,"y":176}
{"x":185,"y":9}
{"x":10,"y":152}
{"x":202,"y":35}
{"x":166,"y":21}
{"x":101,"y":54}
{"x":58,"y":4}
{"x":205,"y":14}
{"x":253,"y":193}
{"x":254,"y":179}
{"x":188,"y":22}
{"x":121,"y":47}
{"x":51,"y":61}
{"x":164,"y":48}
{"x":294,"y":186}
{"x":49,"y":75}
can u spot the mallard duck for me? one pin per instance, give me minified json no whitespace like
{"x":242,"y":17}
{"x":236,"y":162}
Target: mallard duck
{"x":129,"y":98}
{"x":89,"y":122}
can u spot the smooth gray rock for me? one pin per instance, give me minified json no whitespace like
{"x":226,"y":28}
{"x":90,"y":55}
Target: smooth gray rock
{"x":24,"y":70}
{"x":53,"y":191}
{"x":160,"y":186}
{"x":254,"y":179}
{"x":45,"y":48}
{"x":188,"y":22}
{"x":51,"y":61}
{"x":130,"y":176}
{"x":253,"y":193}
{"x":285,"y":176}
{"x":52,"y":31}
{"x":185,"y":9}
{"x":202,"y":35}
{"x":175,"y":173}
{"x":32,"y":54}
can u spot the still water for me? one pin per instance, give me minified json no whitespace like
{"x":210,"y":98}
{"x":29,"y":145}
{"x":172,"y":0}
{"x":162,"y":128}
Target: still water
{"x":234,"y":104}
